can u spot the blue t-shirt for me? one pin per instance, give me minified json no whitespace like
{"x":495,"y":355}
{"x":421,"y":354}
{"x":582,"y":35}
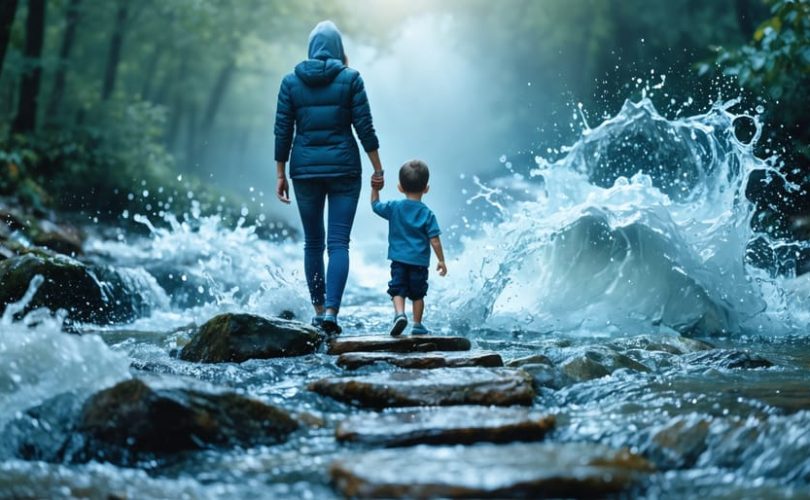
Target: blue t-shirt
{"x":411,"y":225}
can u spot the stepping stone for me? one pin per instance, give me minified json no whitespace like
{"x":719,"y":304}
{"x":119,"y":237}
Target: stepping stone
{"x":451,"y":425}
{"x":439,"y":387}
{"x":525,"y":470}
{"x":354,"y":360}
{"x":407,"y":343}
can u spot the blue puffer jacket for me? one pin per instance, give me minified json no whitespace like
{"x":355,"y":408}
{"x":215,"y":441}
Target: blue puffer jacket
{"x":321,"y":101}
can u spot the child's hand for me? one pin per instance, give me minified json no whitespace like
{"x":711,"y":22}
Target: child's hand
{"x":377,"y":182}
{"x":442,"y":268}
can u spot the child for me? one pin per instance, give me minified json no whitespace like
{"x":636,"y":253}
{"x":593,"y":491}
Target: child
{"x":412,"y":230}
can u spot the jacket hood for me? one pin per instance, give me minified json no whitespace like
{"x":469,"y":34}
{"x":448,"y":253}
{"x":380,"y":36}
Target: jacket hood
{"x":325,"y":42}
{"x":317,"y":72}
{"x":325,"y":56}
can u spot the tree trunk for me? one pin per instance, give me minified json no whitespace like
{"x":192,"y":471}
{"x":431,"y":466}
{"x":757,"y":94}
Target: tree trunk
{"x":114,"y":54}
{"x":191,"y":139}
{"x":8,"y":9}
{"x":745,"y":20}
{"x":217,"y":94}
{"x":26,"y":120}
{"x":69,"y":36}
{"x":151,"y":70}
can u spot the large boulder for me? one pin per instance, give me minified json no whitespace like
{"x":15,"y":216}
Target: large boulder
{"x":234,"y":338}
{"x":446,"y":425}
{"x":133,"y":421}
{"x":439,"y":387}
{"x":91,"y":294}
{"x":525,"y":470}
{"x":136,"y":420}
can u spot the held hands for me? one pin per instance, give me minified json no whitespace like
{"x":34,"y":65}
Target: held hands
{"x":442,"y":268}
{"x":283,"y":190}
{"x":377,"y":181}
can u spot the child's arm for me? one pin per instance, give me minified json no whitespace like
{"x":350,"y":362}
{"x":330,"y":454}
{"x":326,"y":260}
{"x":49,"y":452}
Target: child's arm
{"x":375,"y":194}
{"x":436,"y":243}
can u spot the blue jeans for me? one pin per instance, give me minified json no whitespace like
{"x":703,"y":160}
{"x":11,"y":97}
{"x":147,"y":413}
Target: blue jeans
{"x":342,"y":194}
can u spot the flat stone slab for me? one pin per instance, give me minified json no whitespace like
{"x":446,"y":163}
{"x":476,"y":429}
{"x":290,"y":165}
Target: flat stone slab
{"x":405,"y":343}
{"x":354,"y":360}
{"x":439,"y":387}
{"x":526,"y":470}
{"x":449,"y":425}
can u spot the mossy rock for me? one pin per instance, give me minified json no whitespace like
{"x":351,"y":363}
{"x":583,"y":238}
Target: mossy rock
{"x":234,"y":338}
{"x":89,"y":294}
{"x":135,"y":421}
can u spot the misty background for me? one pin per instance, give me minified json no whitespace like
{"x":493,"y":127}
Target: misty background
{"x":114,"y":107}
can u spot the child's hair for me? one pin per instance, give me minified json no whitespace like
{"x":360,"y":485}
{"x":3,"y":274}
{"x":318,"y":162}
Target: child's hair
{"x":414,"y":176}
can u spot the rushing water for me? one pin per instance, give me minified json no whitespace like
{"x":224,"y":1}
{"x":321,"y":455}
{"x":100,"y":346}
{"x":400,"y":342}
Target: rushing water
{"x":640,"y":230}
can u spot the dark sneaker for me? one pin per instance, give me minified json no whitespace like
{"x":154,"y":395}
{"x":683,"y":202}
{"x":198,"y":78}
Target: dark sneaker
{"x":330,"y":325}
{"x":400,"y":322}
{"x":419,"y":329}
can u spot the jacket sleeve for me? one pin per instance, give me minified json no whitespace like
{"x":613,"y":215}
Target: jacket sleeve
{"x":361,"y":116}
{"x":285,"y":122}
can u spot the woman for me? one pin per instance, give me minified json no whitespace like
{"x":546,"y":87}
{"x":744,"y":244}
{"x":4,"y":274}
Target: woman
{"x":318,"y":104}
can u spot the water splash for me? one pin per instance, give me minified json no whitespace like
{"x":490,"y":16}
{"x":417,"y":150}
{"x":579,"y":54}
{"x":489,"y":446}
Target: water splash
{"x":38,"y":360}
{"x":642,"y":226}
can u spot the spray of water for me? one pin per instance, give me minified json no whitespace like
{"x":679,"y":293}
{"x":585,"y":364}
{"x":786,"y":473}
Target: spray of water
{"x":642,"y":225}
{"x":38,"y":360}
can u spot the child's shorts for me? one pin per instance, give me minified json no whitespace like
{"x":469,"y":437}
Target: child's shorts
{"x":408,"y":281}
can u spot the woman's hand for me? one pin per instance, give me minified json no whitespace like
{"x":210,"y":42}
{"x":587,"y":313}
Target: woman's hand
{"x":377,"y":181}
{"x":283,"y":190}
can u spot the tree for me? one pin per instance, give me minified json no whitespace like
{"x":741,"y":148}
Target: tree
{"x":114,"y":53}
{"x":68,"y":40}
{"x":26,"y":119}
{"x":8,"y":10}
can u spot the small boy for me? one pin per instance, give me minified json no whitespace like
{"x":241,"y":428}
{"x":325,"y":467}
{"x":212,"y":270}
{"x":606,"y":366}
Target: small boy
{"x":412,"y":231}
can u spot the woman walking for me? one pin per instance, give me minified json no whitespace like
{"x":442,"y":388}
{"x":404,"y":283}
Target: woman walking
{"x":317,"y":106}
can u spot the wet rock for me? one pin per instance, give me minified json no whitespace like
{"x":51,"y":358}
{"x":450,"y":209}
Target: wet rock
{"x":598,"y":363}
{"x":91,"y":294}
{"x":41,"y":433}
{"x":450,"y":425}
{"x":727,"y":358}
{"x":354,"y":360}
{"x":533,"y":359}
{"x":372,"y":343}
{"x":679,"y":443}
{"x":532,"y":470}
{"x":234,"y":338}
{"x":671,"y":344}
{"x":59,"y":238}
{"x":439,"y":387}
{"x":133,"y":421}
{"x":544,"y":375}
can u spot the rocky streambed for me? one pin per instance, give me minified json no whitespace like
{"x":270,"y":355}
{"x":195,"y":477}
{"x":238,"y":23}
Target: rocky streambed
{"x":238,"y":405}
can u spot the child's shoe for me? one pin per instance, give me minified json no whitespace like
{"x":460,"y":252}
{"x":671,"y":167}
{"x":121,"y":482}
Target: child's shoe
{"x":419,"y":329}
{"x":330,"y":324}
{"x":400,"y":322}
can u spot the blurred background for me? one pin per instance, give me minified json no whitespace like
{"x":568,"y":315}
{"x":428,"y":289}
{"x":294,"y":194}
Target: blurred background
{"x":115,"y":107}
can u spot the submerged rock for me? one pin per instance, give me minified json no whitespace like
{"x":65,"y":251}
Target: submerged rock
{"x":679,"y":443}
{"x":597,"y":363}
{"x":517,"y":470}
{"x":133,"y":421}
{"x":439,"y":387}
{"x":354,"y":360}
{"x":449,"y":425}
{"x":88,"y":293}
{"x":533,"y":359}
{"x":234,"y":338}
{"x":371,"y":343}
{"x":671,"y":344}
{"x":727,"y":358}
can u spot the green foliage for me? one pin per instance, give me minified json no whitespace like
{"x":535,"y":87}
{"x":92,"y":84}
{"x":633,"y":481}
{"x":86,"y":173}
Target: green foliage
{"x":777,"y":60}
